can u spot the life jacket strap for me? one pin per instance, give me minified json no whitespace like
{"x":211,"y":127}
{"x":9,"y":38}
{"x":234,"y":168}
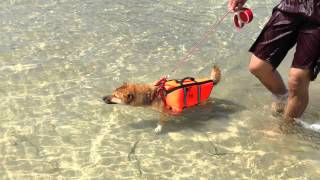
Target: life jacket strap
{"x":185,"y":92}
{"x":199,"y":94}
{"x":163,"y":97}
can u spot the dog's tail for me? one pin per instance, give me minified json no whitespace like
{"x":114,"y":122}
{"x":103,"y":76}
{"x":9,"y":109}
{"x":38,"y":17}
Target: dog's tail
{"x":216,"y":74}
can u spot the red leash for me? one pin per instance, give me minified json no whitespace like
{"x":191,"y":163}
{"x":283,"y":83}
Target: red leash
{"x":241,"y":17}
{"x":196,"y":47}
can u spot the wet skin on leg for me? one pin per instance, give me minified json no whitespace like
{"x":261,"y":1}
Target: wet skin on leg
{"x":299,"y":80}
{"x":270,"y":78}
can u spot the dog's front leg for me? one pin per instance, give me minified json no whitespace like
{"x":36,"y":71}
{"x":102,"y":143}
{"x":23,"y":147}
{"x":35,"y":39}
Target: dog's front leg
{"x":163,"y":120}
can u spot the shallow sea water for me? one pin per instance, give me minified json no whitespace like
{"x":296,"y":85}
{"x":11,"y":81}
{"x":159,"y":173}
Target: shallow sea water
{"x":59,"y":57}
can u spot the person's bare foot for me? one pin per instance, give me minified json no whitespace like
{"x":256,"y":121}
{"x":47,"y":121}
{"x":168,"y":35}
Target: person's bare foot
{"x":288,"y":126}
{"x":279,"y":103}
{"x":277,"y":108}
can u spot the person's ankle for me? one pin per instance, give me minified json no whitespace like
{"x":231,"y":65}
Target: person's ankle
{"x":288,"y":119}
{"x":279,"y":104}
{"x":287,"y":125}
{"x":281,"y":98}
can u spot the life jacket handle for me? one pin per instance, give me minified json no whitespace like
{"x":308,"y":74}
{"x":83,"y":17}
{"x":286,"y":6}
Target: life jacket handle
{"x":184,"y":79}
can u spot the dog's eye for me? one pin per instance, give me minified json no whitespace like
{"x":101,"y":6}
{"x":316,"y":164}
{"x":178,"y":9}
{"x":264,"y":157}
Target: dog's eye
{"x":130,"y":96}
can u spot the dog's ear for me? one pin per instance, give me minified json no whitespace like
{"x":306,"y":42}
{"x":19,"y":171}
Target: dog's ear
{"x":129,"y":97}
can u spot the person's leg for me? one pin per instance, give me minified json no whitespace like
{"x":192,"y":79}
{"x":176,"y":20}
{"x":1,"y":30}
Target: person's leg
{"x":303,"y":70}
{"x":276,"y":39}
{"x":272,"y":80}
{"x":299,"y":80}
{"x":269,"y":77}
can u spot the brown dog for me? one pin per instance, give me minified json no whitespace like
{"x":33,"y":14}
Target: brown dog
{"x":147,"y":95}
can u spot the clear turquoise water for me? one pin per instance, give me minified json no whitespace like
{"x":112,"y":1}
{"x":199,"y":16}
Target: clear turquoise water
{"x":59,"y":57}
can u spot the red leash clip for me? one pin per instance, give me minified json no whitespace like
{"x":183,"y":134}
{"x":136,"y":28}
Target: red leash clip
{"x":242,"y":16}
{"x":161,"y":83}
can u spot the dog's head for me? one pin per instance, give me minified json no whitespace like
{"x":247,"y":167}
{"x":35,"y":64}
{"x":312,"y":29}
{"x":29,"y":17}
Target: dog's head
{"x":132,"y":94}
{"x":122,"y":95}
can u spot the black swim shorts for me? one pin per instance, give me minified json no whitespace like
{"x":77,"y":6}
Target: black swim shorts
{"x":282,"y":32}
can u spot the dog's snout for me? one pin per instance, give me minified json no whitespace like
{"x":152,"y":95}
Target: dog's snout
{"x":107,"y":99}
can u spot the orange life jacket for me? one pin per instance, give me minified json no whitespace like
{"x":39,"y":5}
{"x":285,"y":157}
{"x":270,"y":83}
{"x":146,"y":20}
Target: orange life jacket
{"x":181,"y":94}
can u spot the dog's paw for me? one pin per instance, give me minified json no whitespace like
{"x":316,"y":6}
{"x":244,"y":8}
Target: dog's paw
{"x":158,"y":129}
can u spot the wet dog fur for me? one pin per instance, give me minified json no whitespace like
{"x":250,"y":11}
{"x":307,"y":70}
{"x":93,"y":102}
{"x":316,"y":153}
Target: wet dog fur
{"x":143,"y":95}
